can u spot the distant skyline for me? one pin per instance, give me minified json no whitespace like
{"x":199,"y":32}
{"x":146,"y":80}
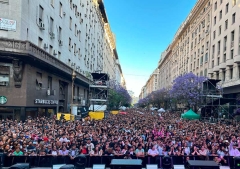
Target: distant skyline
{"x":143,"y":31}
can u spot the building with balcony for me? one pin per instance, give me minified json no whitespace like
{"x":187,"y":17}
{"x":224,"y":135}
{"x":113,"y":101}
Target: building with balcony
{"x":151,"y":85}
{"x":48,"y":50}
{"x":207,"y":43}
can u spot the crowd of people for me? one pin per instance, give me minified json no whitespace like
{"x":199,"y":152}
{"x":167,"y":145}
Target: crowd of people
{"x":137,"y":133}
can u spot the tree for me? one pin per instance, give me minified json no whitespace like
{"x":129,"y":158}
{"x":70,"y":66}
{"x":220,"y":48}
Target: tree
{"x":187,"y":89}
{"x":160,"y":98}
{"x":118,"y":96}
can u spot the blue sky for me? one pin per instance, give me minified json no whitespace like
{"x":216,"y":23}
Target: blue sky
{"x":143,"y":30}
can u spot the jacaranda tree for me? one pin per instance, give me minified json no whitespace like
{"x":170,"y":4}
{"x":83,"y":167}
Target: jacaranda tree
{"x":187,"y":89}
{"x":118,"y":96}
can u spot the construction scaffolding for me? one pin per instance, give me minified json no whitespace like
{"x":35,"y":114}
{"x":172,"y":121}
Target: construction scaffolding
{"x":213,"y":102}
{"x":98,"y":96}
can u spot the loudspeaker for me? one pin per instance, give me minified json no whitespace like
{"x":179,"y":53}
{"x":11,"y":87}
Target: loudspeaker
{"x":166,"y":162}
{"x":151,"y":166}
{"x":98,"y":166}
{"x":236,"y":162}
{"x":67,"y":166}
{"x":20,"y":166}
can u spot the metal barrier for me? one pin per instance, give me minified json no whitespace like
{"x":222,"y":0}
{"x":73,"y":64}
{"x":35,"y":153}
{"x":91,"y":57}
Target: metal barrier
{"x":48,"y":161}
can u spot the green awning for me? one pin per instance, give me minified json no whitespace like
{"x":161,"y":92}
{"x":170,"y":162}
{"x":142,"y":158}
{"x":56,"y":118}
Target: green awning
{"x":191,"y":115}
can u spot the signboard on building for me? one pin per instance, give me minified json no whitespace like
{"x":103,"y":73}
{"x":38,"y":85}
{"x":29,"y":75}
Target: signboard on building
{"x":46,"y":102}
{"x":7,"y":24}
{"x":3,"y":100}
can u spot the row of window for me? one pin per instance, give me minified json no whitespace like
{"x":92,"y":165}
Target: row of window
{"x":226,"y":22}
{"x":234,"y":2}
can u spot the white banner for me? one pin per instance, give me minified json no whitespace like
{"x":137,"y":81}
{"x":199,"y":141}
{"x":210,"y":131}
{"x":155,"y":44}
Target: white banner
{"x":7,"y":24}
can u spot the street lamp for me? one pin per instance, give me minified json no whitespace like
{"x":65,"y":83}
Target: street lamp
{"x":73,"y":79}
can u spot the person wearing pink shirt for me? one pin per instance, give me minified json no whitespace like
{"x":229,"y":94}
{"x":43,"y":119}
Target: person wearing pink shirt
{"x":233,"y":151}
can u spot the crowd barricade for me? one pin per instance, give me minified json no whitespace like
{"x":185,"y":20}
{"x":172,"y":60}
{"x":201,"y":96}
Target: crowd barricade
{"x":48,"y":161}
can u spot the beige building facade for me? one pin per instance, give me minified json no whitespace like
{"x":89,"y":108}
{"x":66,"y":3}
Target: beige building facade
{"x":48,"y":49}
{"x":207,"y":43}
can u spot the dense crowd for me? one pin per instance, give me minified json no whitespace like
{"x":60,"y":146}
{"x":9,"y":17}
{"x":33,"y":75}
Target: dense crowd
{"x":137,"y":133}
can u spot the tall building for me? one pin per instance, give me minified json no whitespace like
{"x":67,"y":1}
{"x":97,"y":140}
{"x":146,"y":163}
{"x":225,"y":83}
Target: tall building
{"x":207,"y":43}
{"x":48,"y":49}
{"x":151,"y":85}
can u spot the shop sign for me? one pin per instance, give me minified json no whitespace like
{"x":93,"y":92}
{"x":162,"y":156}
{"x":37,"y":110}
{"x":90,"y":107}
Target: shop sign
{"x":3,"y":100}
{"x":46,"y":102}
{"x":7,"y":24}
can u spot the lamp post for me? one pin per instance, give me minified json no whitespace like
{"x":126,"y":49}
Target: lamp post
{"x":73,"y":79}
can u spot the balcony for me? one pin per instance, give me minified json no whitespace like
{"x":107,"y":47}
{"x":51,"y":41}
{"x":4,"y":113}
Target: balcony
{"x":222,"y":65}
{"x":236,"y":59}
{"x":216,"y":68}
{"x":230,"y":62}
{"x":210,"y":71}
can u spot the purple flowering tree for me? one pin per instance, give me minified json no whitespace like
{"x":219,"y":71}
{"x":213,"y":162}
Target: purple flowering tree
{"x":118,"y":96}
{"x":157,"y":98}
{"x":160,"y":98}
{"x":187,"y":89}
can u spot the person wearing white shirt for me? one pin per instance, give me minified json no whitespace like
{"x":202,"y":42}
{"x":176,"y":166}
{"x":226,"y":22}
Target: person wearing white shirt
{"x":153,"y":151}
{"x":63,"y":139}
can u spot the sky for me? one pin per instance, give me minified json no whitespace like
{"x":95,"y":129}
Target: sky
{"x":143,"y":30}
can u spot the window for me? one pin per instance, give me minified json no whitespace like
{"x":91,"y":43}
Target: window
{"x":51,"y":49}
{"x":207,"y":44}
{"x":215,"y":6}
{"x":70,"y":3}
{"x":226,"y":10}
{"x":234,"y":2}
{"x":225,"y":43}
{"x":219,"y":47}
{"x":75,"y":49}
{"x":205,"y":72}
{"x":233,"y":18}
{"x":232,"y":36}
{"x":51,"y":25}
{"x":75,"y":30}
{"x":206,"y":57}
{"x":52,"y":3}
{"x":226,"y":24}
{"x":213,"y":49}
{"x":231,"y":54}
{"x":40,"y":19}
{"x":214,"y":34}
{"x":79,"y":35}
{"x":70,"y":23}
{"x":59,"y":55}
{"x":49,"y":82}
{"x":223,"y":75}
{"x":201,"y":60}
{"x":60,"y":9}
{"x":70,"y":44}
{"x":231,"y":73}
{"x":38,"y":80}
{"x":215,"y":20}
{"x":221,"y":1}
{"x":4,"y":75}
{"x":219,"y":30}
{"x":212,"y":63}
{"x":60,"y":33}
{"x":220,"y":15}
{"x":224,"y":57}
{"x":40,"y":40}
{"x":218,"y":61}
